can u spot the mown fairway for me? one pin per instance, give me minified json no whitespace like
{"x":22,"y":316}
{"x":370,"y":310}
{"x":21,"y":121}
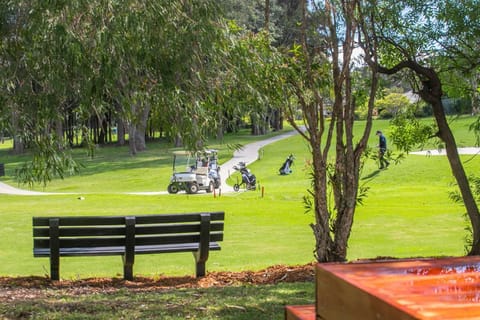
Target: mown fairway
{"x":407,"y":212}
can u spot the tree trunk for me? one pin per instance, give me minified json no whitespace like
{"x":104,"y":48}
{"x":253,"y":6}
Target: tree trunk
{"x":277,"y":120}
{"x":178,"y":142}
{"x":220,"y":124}
{"x":18,"y":144}
{"x":141,"y":129}
{"x":431,"y":92}
{"x":475,"y":93}
{"x":255,"y":125}
{"x":59,"y":132}
{"x":321,"y":228}
{"x":120,"y":132}
{"x":132,"y":133}
{"x":267,"y":15}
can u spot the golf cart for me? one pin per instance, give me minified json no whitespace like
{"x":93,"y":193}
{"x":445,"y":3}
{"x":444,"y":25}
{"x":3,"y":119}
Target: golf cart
{"x":195,"y":176}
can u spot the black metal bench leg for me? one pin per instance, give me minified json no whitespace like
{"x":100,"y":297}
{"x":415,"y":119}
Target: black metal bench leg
{"x":54,"y":268}
{"x":129,"y":257}
{"x":200,"y":269}
{"x":54,"y":248}
{"x":201,"y":256}
{"x":127,"y":271}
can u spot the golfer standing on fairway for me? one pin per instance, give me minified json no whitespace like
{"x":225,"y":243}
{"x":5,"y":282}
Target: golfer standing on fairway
{"x":382,"y":145}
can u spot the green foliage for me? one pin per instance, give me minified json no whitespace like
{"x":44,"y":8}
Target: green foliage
{"x":475,"y":128}
{"x":392,"y":104}
{"x":456,"y":197}
{"x":437,"y":34}
{"x":47,"y":163}
{"x":407,"y":132}
{"x":98,"y":59}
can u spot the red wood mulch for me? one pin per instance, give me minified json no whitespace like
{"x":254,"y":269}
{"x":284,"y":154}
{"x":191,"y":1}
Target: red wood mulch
{"x":19,"y":288}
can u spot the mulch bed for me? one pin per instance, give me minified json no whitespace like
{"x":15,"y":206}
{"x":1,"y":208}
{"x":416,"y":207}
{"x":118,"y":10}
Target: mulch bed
{"x":20,"y":288}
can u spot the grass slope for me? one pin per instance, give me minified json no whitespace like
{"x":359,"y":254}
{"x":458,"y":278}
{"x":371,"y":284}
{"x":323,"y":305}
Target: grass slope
{"x":407,"y":211}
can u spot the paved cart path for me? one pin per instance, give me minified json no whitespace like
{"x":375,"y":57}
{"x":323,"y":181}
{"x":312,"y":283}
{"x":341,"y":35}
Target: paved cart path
{"x":248,"y":154}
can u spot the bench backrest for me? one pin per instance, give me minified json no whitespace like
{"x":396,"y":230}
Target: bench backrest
{"x":89,"y":232}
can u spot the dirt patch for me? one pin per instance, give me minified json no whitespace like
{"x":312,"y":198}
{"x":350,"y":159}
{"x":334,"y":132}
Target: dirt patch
{"x":21,"y":288}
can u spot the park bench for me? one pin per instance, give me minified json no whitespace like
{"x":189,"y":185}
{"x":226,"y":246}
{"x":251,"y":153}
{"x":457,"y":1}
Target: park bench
{"x":127,"y":236}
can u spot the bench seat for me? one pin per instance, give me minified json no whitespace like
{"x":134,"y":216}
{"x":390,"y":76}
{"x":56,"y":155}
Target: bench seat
{"x":127,"y":236}
{"x":114,"y":251}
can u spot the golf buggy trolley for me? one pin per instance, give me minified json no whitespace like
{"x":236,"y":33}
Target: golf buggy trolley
{"x":201,"y":172}
{"x":286,"y":167}
{"x":248,"y":178}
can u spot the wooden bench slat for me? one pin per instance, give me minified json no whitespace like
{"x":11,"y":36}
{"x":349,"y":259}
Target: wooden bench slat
{"x":171,"y":218}
{"x":176,"y":228}
{"x":120,"y":250}
{"x":112,"y":231}
{"x":115,"y":220}
{"x":127,"y":236}
{"x":82,"y":231}
{"x":186,"y":247}
{"x":109,"y":241}
{"x":79,"y":221}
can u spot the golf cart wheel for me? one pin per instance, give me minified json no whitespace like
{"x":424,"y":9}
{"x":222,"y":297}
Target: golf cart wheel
{"x":192,"y":188}
{"x":236,"y":187}
{"x":172,"y":188}
{"x":210,"y":187}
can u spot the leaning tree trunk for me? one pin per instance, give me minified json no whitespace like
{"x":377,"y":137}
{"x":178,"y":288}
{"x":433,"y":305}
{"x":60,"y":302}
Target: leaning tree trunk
{"x":432,"y":93}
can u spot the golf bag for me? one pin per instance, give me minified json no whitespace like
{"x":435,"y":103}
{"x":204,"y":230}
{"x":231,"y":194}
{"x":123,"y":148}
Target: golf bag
{"x":248,"y":178}
{"x":287,"y":165}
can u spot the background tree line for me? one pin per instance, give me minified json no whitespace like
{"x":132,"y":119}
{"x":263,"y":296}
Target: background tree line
{"x":166,"y":68}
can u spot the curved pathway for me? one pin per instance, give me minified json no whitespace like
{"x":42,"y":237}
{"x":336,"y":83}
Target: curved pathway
{"x":443,"y":152}
{"x":248,"y":154}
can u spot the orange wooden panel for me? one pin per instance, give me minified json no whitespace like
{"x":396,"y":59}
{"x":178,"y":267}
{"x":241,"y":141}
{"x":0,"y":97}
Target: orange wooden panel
{"x":304,"y":312}
{"x":447,"y":288}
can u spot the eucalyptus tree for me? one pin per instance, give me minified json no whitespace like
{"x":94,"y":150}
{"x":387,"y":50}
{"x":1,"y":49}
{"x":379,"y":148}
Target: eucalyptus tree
{"x":256,"y":21}
{"x":34,"y":91}
{"x":94,"y":57}
{"x":313,"y":78}
{"x":152,"y":55}
{"x":290,"y":16}
{"x":320,"y":75}
{"x":428,"y":41}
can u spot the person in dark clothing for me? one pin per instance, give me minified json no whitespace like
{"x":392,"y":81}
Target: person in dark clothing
{"x":382,"y":145}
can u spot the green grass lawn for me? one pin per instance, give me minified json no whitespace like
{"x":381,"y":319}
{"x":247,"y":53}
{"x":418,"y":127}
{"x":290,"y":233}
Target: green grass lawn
{"x":232,"y":302}
{"x":407,"y":212}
